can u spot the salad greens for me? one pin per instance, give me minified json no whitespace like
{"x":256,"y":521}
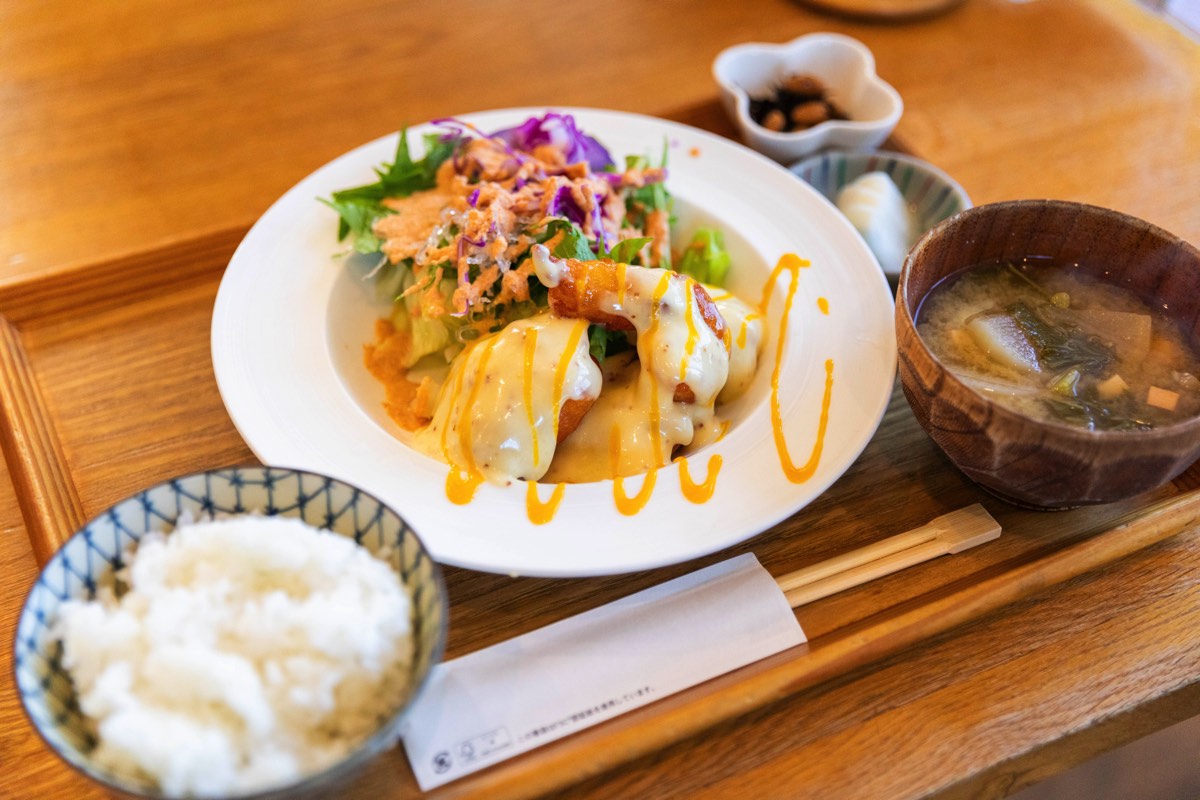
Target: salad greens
{"x":451,"y":290}
{"x":646,"y":200}
{"x":361,"y":207}
{"x":603,"y":342}
{"x":627,"y":251}
{"x":706,"y":258}
{"x":573,"y":243}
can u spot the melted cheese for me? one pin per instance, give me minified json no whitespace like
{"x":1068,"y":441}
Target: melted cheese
{"x":675,"y":346}
{"x":496,"y":417}
{"x":623,"y":406}
{"x":746,"y":323}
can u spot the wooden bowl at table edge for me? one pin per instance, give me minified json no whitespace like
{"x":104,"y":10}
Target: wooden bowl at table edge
{"x":1026,"y":462}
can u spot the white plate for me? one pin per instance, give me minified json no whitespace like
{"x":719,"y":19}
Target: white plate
{"x":290,"y":322}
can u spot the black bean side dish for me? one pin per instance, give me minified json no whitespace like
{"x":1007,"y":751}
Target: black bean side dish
{"x":799,"y":102}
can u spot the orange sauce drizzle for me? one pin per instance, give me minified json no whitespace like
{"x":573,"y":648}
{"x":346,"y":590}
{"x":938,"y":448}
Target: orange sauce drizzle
{"x":655,"y":413}
{"x":632,"y":505}
{"x":693,"y":334}
{"x":560,"y":371}
{"x":530,"y":349}
{"x":660,"y":290}
{"x":621,"y":284}
{"x":625,"y":504}
{"x":461,"y":486}
{"x":464,"y":479}
{"x":540,"y":513}
{"x":699,"y":492}
{"x":796,"y":474}
{"x":746,"y":320}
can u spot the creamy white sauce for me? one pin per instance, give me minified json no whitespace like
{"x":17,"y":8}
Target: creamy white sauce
{"x":587,"y":454}
{"x":548,"y":270}
{"x":498,"y":410}
{"x":674,"y":343}
{"x":496,"y":414}
{"x":636,"y":425}
{"x":745,"y":323}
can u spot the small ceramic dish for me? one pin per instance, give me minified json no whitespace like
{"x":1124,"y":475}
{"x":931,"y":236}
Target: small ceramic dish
{"x":929,"y":193}
{"x":89,"y":559}
{"x":843,"y":65}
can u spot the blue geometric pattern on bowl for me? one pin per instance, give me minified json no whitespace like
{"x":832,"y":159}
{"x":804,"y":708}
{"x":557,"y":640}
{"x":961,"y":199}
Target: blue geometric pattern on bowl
{"x":931,"y":194}
{"x":89,"y":559}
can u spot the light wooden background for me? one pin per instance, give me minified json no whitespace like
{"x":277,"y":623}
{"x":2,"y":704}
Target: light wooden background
{"x":167,"y":127}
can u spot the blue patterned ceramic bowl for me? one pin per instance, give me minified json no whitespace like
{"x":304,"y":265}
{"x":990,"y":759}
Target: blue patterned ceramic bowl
{"x":90,"y":557}
{"x":931,"y":194}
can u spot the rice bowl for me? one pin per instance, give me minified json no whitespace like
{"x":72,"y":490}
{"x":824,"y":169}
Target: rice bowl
{"x":93,"y":562}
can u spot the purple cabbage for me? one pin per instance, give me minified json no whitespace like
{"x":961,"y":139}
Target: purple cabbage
{"x":564,"y":205}
{"x":598,"y":228}
{"x":456,"y":129}
{"x":557,"y":129}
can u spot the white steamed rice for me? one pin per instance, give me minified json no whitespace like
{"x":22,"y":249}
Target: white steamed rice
{"x":246,"y":653}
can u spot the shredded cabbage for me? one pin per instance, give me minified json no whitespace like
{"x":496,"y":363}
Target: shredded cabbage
{"x":500,"y":193}
{"x":559,"y":130}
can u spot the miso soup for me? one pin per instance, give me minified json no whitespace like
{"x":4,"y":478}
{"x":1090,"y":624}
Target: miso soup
{"x":1056,"y":344}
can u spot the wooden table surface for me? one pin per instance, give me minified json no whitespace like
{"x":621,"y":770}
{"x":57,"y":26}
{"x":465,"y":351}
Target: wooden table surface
{"x":141,"y":126}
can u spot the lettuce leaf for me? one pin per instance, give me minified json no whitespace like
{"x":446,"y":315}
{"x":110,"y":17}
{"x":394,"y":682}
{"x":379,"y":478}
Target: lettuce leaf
{"x":705,"y":258}
{"x":360,"y":207}
{"x":641,"y":202}
{"x":404,"y":175}
{"x":357,"y":220}
{"x":652,"y":196}
{"x":573,"y":243}
{"x":427,"y":336}
{"x":603,"y":343}
{"x":627,"y":250}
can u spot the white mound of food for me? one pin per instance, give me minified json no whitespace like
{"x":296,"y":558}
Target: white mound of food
{"x":246,"y":653}
{"x":874,"y":205}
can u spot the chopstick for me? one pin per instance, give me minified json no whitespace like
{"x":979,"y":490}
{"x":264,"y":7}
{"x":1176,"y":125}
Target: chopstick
{"x":947,"y":534}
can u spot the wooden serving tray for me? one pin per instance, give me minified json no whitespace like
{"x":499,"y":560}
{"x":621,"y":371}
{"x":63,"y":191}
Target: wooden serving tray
{"x":107,"y":386}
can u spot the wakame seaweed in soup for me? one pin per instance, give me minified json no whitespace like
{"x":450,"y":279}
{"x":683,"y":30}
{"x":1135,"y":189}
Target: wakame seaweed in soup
{"x":1054,"y":343}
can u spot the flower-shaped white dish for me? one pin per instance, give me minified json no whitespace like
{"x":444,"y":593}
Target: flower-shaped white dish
{"x":846,"y":68}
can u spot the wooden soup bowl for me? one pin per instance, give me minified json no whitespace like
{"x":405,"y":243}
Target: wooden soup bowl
{"x":1031,"y":463}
